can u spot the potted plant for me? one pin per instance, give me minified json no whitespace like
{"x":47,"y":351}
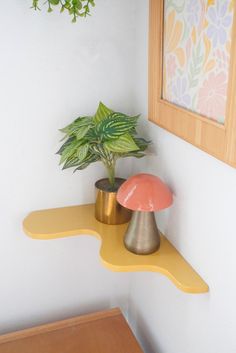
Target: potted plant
{"x":106,"y":137}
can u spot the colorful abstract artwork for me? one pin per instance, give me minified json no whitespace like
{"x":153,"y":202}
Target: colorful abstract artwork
{"x":196,"y":56}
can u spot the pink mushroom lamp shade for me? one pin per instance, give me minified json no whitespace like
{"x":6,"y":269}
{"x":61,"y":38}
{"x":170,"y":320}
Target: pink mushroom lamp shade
{"x":144,"y":194}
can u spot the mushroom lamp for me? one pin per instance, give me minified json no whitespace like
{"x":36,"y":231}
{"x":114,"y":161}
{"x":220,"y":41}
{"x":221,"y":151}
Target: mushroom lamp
{"x":144,"y":194}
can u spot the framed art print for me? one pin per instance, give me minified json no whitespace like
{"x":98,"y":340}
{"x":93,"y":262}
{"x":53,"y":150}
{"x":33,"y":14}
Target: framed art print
{"x":192,"y":72}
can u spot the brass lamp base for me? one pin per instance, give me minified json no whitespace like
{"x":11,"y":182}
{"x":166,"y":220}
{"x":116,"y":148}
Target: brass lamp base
{"x":142,"y":236}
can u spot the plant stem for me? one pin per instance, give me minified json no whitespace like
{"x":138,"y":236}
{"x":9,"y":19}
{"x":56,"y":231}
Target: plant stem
{"x":111,"y":173}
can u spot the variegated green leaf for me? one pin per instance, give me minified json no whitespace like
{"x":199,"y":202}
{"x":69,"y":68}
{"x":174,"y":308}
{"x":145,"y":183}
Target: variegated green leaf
{"x":105,"y":137}
{"x":102,"y":113}
{"x":115,"y":125}
{"x":76,"y":162}
{"x":77,"y":124}
{"x":92,"y":135}
{"x":66,"y":144}
{"x":141,"y":143}
{"x":137,"y":154}
{"x":54,"y":2}
{"x":101,"y":152}
{"x":133,"y":132}
{"x":70,"y":150}
{"x":85,"y":163}
{"x":71,"y":162}
{"x":82,"y":131}
{"x":82,"y":151}
{"x":122,"y":144}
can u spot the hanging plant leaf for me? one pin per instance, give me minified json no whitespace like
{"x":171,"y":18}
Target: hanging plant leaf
{"x":54,"y":2}
{"x":76,"y":8}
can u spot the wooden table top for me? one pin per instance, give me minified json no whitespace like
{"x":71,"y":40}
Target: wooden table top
{"x":102,"y":332}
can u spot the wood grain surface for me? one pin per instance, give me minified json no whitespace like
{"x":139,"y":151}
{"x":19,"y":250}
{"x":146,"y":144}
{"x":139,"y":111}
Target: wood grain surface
{"x":102,"y":332}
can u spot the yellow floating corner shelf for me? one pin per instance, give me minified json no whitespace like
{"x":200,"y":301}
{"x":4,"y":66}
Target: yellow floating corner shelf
{"x":75,"y":220}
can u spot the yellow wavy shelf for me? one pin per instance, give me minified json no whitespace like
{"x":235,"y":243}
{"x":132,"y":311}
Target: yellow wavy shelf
{"x":75,"y":220}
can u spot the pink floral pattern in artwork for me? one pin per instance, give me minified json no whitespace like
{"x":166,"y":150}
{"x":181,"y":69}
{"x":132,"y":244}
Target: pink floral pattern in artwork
{"x":197,"y":42}
{"x":211,"y":98}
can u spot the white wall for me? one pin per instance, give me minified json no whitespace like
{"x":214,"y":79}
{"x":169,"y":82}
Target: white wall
{"x":201,"y":224}
{"x":51,"y":71}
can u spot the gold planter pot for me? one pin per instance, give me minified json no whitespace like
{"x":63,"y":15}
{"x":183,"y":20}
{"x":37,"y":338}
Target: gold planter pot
{"x":107,"y":209}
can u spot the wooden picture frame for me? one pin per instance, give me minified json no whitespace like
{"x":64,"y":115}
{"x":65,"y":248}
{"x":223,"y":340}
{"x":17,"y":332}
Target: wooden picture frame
{"x":212,"y":137}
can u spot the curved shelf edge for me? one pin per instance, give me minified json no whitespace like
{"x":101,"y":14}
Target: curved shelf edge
{"x":187,"y":288}
{"x":77,"y":220}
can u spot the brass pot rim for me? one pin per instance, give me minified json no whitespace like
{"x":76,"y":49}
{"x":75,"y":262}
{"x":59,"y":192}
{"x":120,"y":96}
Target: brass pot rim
{"x":103,"y":188}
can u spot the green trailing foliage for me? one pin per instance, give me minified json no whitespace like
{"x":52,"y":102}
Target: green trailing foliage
{"x":106,"y":137}
{"x":76,"y":8}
